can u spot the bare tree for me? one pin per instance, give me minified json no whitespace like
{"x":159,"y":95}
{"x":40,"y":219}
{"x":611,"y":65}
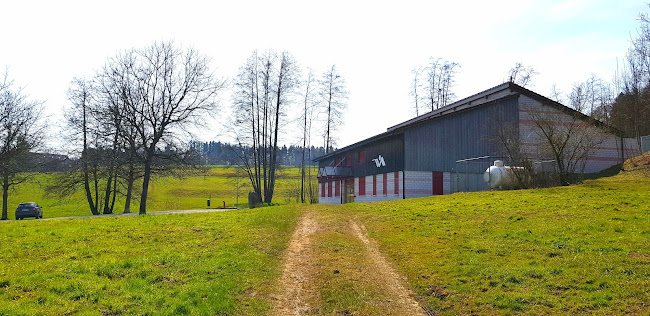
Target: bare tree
{"x":263,"y":88}
{"x":334,"y":94}
{"x":80,"y":119}
{"x":416,"y":86}
{"x":556,"y":94}
{"x":164,"y":90}
{"x":630,"y":111}
{"x":521,"y":75}
{"x":505,"y":134}
{"x":20,"y":132}
{"x":307,"y":119}
{"x":569,"y":137}
{"x":440,"y":76}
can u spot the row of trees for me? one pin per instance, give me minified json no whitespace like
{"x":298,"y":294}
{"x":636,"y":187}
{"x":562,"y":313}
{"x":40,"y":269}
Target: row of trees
{"x":131,"y":118}
{"x":432,"y":85}
{"x":218,"y":153}
{"x":134,"y":118}
{"x":622,"y":103}
{"x":266,"y":86}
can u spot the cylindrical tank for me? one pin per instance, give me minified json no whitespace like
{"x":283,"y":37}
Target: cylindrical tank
{"x":498,"y":175}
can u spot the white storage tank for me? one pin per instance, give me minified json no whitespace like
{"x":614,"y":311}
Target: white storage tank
{"x":500,"y":176}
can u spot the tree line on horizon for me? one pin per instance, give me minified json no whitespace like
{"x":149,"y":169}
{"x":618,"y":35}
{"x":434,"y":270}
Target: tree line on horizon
{"x":218,"y":153}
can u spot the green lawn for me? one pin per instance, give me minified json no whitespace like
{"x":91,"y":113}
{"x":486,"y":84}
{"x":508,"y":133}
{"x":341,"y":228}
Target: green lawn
{"x":577,"y":249}
{"x":201,"y":264}
{"x":581,"y":249}
{"x":165,"y":192}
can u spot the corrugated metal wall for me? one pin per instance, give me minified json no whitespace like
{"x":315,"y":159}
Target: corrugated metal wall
{"x":437,"y":145}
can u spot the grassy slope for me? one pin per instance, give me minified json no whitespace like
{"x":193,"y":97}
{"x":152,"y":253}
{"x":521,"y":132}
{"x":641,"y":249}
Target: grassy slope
{"x":168,"y":264}
{"x":165,"y":193}
{"x":577,"y":249}
{"x":583,"y":248}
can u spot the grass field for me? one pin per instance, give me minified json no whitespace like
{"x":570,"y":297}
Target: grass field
{"x":581,"y":249}
{"x":165,"y":192}
{"x":577,"y":249}
{"x":201,"y":264}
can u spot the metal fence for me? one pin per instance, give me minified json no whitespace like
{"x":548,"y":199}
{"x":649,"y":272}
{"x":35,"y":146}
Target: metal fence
{"x":468,"y":174}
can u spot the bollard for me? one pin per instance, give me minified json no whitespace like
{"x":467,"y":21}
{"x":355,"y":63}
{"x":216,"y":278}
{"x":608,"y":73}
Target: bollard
{"x":224,"y":204}
{"x":208,"y":202}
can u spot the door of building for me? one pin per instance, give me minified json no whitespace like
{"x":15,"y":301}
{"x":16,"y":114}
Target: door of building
{"x":348,"y":197}
{"x":437,"y":183}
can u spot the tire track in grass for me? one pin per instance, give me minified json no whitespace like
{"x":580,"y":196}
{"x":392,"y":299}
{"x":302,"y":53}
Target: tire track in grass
{"x":296,"y":293}
{"x":392,"y":281}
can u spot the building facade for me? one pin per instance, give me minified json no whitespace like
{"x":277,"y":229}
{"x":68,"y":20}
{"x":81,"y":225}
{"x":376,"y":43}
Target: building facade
{"x":448,"y":150}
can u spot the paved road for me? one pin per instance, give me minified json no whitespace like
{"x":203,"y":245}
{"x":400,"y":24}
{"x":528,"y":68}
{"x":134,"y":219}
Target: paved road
{"x":150,"y":213}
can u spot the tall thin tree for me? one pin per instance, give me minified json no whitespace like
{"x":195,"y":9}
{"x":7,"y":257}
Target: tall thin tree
{"x":334,"y":96}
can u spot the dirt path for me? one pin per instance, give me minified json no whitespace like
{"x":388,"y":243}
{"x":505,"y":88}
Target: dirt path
{"x":298,"y":271}
{"x":298,"y":290}
{"x":392,"y":281}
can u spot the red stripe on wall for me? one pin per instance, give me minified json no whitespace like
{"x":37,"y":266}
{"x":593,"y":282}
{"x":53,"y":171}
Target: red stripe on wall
{"x":362,"y":186}
{"x":385,"y":189}
{"x":337,"y":188}
{"x":594,"y":148}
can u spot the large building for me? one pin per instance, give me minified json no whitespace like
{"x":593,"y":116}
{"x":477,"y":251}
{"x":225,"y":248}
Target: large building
{"x":448,"y":150}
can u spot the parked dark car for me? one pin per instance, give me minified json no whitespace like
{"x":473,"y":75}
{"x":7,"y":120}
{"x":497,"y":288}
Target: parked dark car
{"x":29,"y":209}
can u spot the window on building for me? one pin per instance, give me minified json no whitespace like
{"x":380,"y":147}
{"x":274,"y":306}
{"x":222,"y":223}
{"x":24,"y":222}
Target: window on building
{"x":385,"y":184}
{"x":329,"y":189}
{"x":362,"y":156}
{"x":374,"y":184}
{"x":362,"y":186}
{"x":348,"y":161}
{"x":396,"y":182}
{"x":338,"y":162}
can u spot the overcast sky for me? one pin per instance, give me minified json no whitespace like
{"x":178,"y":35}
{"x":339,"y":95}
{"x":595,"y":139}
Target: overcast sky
{"x":374,"y":44}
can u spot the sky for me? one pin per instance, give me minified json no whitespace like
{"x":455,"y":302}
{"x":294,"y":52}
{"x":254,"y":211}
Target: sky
{"x":374,"y":44}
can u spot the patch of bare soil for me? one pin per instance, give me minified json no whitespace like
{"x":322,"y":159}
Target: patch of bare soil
{"x":296,"y":292}
{"x":404,"y":303}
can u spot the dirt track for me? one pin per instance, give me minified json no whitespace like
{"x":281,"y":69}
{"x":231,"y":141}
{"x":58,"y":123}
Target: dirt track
{"x":298,"y":294}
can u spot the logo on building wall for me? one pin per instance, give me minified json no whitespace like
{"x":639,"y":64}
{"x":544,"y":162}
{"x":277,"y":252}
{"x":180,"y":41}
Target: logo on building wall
{"x":379,"y":161}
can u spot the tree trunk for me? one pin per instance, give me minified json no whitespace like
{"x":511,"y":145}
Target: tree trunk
{"x":302,"y":166}
{"x":129,"y":190}
{"x":96,"y":183}
{"x":145,"y":186}
{"x":84,"y":157}
{"x":107,"y":195}
{"x":89,"y":195}
{"x":114,"y":191}
{"x":5,"y":194}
